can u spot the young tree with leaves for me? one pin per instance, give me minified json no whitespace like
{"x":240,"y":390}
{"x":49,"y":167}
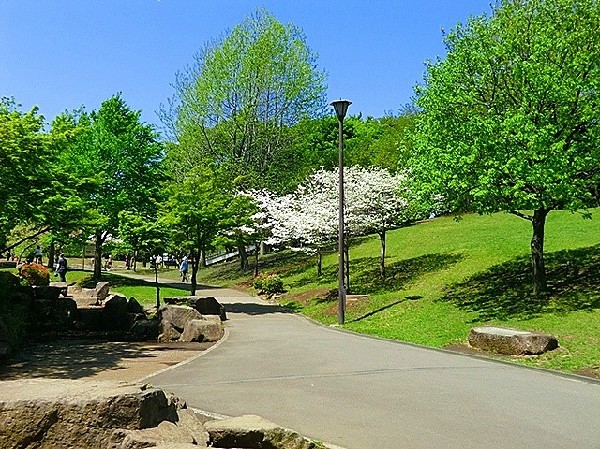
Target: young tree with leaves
{"x":510,"y":116}
{"x":235,"y":105}
{"x":122,"y":158}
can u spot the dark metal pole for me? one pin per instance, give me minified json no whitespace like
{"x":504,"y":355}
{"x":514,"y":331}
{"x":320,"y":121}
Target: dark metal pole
{"x":156,"y":283}
{"x":341,"y":288}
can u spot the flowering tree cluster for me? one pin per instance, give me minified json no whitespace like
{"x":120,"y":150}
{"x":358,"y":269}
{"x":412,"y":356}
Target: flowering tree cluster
{"x":307,"y":219}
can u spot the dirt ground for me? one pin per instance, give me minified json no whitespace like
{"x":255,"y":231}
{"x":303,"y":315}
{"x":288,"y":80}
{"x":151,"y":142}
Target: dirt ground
{"x":96,"y":360}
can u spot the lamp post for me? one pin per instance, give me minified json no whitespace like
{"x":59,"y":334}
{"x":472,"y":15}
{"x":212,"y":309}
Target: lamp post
{"x":341,"y":107}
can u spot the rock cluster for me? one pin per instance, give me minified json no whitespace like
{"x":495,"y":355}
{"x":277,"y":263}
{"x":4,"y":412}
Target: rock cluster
{"x":58,"y":413}
{"x":184,"y":323}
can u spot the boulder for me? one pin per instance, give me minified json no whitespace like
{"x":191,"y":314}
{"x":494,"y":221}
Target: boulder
{"x":144,"y":330}
{"x":205,"y":305}
{"x":58,"y":413}
{"x":167,"y":332}
{"x":102,"y":291}
{"x":178,"y":316}
{"x":5,"y":347}
{"x":188,"y":420}
{"x":255,"y":432}
{"x":133,"y":306}
{"x":511,"y":341}
{"x":202,"y":330}
{"x":165,"y":432}
{"x":114,"y":314}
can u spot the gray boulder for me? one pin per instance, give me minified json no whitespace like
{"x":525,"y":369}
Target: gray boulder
{"x":255,"y":432}
{"x":178,"y":316}
{"x":144,"y":330}
{"x":115,"y":315}
{"x":202,"y":330}
{"x":205,"y":305}
{"x":133,"y":306}
{"x":102,"y":291}
{"x":168,"y":332}
{"x":511,"y":341}
{"x":58,"y":413}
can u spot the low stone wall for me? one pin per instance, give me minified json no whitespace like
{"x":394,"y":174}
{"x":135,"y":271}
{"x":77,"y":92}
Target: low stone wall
{"x":44,"y":414}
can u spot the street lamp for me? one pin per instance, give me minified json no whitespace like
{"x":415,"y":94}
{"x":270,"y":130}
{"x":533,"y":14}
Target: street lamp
{"x":341,"y":107}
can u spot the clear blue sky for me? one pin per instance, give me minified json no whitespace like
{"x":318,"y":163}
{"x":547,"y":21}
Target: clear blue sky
{"x":62,"y":54}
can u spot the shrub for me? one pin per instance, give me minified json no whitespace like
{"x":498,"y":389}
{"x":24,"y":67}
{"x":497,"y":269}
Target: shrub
{"x":35,"y":274}
{"x":269,"y":284}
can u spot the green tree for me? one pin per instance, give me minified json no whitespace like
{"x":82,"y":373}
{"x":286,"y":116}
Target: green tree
{"x":121,"y":158}
{"x":24,"y":158}
{"x":510,"y":116}
{"x":235,"y":105}
{"x":195,"y":214}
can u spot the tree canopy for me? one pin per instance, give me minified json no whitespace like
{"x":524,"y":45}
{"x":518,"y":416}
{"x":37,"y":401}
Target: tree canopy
{"x":235,"y":104}
{"x":510,"y":116}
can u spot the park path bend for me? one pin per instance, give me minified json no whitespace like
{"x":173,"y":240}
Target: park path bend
{"x":364,"y":393}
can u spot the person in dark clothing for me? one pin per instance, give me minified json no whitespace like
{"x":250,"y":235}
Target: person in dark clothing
{"x":61,"y":267}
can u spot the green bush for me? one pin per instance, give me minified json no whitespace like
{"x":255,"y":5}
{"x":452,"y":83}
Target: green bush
{"x":35,"y":274}
{"x":268,"y":284}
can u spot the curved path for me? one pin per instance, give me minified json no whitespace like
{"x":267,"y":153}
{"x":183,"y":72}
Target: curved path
{"x":365,"y":393}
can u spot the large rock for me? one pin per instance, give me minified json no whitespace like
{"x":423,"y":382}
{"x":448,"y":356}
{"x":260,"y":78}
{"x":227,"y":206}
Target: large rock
{"x":255,"y":432}
{"x":202,"y":330}
{"x":144,"y":330}
{"x":45,"y":413}
{"x":102,"y":291}
{"x":511,"y":341}
{"x":167,"y":332}
{"x":205,"y":305}
{"x":178,"y":316}
{"x":165,"y":432}
{"x":115,"y":315}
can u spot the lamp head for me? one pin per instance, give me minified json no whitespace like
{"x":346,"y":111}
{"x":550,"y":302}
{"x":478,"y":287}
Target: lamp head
{"x":341,"y":107}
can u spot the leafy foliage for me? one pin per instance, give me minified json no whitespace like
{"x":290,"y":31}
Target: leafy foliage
{"x":510,"y":117}
{"x":235,"y":105}
{"x":268,"y":284}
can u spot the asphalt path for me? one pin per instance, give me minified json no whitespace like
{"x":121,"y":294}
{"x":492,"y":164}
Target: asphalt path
{"x":365,"y":393}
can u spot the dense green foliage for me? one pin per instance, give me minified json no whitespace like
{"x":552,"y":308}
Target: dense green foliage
{"x":235,"y":105}
{"x":510,"y":117}
{"x":120,"y":159}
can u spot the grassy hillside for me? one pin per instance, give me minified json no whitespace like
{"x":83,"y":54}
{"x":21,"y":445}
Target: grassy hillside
{"x":444,"y":277}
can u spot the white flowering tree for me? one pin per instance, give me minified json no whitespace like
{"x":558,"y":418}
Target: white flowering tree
{"x":375,"y":201}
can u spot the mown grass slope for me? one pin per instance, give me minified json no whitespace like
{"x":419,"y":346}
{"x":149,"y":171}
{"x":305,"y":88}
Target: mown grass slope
{"x":446,"y":276}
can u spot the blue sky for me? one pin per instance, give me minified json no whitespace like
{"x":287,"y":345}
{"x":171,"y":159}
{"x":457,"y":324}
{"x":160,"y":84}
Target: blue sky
{"x":62,"y":54}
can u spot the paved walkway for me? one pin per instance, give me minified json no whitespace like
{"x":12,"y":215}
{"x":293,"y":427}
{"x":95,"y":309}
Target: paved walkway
{"x":365,"y":393}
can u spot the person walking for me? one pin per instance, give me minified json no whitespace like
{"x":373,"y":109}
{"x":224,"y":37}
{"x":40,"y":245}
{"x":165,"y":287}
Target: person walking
{"x":61,"y":267}
{"x":183,"y":268}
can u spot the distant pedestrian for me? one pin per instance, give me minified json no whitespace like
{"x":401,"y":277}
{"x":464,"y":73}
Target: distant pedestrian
{"x":38,"y":254}
{"x":61,"y":268}
{"x":183,"y":268}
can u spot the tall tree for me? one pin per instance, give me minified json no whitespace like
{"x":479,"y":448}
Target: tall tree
{"x":123,"y":159}
{"x":235,"y":105}
{"x":510,"y":116}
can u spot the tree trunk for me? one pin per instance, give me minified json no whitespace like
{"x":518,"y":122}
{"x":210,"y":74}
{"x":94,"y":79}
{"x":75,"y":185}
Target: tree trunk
{"x":51,"y":253}
{"x":319,"y":263}
{"x":243,"y":257}
{"x":203,"y":258}
{"x":256,"y":246}
{"x":347,"y":262}
{"x":98,"y":257}
{"x":382,"y":261}
{"x":195,"y":264}
{"x":537,"y":251}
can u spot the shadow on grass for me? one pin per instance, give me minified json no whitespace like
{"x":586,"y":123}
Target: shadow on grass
{"x":504,"y":291}
{"x":365,"y":277}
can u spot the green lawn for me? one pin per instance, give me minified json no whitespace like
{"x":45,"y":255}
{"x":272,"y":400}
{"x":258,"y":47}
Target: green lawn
{"x":446,"y":276}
